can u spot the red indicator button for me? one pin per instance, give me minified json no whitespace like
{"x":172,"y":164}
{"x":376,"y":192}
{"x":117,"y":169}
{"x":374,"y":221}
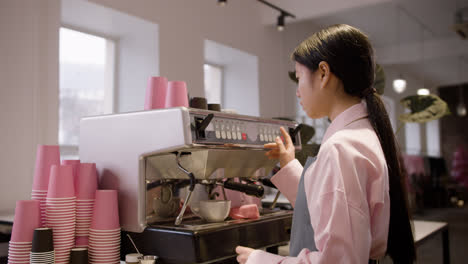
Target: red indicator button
{"x":244,"y":136}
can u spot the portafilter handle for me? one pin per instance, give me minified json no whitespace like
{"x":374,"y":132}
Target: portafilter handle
{"x":248,"y":188}
{"x":267,"y":182}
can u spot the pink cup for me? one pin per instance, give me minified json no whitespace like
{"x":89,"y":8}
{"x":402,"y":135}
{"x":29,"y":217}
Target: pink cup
{"x":61,"y":182}
{"x":27,"y":218}
{"x":81,"y":241}
{"x":105,"y":252}
{"x":106,"y":210}
{"x":104,"y":255}
{"x":105,"y":237}
{"x":176,"y":94}
{"x":249,"y":211}
{"x":75,"y":166}
{"x":96,"y":248}
{"x":156,"y":91}
{"x":46,"y":156}
{"x":87,"y":181}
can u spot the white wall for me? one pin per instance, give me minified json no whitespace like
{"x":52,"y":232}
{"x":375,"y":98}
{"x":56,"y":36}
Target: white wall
{"x":183,"y":27}
{"x":240,"y":77}
{"x":297,"y":32}
{"x":406,"y":138}
{"x":29,"y":69}
{"x":294,"y":35}
{"x":137,"y":47}
{"x":28,"y":91}
{"x":29,"y":65}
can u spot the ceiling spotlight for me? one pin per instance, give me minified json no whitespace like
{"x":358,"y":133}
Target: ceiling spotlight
{"x":423,"y":91}
{"x":399,"y":85}
{"x":222,"y":2}
{"x":461,"y":109}
{"x":281,"y":17}
{"x":280,"y":23}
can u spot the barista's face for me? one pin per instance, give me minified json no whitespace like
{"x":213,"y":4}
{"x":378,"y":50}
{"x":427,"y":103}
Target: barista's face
{"x":310,"y":90}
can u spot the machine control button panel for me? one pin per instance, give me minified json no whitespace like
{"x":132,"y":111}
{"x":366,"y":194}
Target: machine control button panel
{"x":226,"y":130}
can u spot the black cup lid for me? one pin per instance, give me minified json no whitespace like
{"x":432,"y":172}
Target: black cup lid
{"x":42,"y":240}
{"x":79,"y":256}
{"x":214,"y":107}
{"x":198,"y":102}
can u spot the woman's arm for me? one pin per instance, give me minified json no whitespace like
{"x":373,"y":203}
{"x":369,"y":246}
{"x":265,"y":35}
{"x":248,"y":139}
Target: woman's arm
{"x":341,"y":236}
{"x":287,"y":179}
{"x":342,"y":228}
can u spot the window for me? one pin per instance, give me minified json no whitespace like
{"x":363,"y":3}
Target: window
{"x":433,"y":138}
{"x":86,"y":84}
{"x":235,"y":83}
{"x":213,"y":83}
{"x":413,"y":138}
{"x":389,"y":104}
{"x":320,"y":125}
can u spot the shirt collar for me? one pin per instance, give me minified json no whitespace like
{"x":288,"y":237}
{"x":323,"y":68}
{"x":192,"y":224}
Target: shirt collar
{"x":345,"y":118}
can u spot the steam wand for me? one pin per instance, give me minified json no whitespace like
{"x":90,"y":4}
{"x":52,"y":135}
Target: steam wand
{"x":189,"y":194}
{"x":133,"y":243}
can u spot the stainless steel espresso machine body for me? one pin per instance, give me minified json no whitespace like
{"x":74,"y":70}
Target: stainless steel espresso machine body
{"x":164,"y":161}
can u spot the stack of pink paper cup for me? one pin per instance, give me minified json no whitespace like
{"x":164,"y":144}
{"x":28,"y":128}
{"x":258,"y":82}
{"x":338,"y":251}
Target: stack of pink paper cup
{"x":104,"y":234}
{"x":46,"y":156}
{"x":27,"y":218}
{"x":86,"y":186}
{"x":61,"y":211}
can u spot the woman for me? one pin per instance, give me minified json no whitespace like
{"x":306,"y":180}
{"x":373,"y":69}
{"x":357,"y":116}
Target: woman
{"x":350,"y":204}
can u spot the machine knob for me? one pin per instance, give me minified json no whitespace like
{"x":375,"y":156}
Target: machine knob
{"x":294,"y":131}
{"x":201,"y":124}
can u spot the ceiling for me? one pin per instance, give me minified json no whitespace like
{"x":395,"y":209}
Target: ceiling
{"x":421,"y":21}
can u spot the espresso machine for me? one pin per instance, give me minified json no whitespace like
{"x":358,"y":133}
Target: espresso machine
{"x":163,"y":162}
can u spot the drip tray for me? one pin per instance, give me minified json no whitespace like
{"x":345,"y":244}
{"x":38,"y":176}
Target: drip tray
{"x":196,"y":241}
{"x":195,"y":223}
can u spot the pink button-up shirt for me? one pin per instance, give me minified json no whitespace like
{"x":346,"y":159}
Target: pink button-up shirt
{"x":347,"y":194}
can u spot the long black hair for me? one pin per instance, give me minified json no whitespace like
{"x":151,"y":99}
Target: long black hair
{"x":350,"y":57}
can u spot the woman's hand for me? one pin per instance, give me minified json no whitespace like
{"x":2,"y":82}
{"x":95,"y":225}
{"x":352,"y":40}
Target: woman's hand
{"x":281,"y":151}
{"x":243,"y":254}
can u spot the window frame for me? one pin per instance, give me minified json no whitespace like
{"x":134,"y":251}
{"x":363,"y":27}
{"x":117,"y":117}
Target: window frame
{"x":222,"y":92}
{"x":71,"y":150}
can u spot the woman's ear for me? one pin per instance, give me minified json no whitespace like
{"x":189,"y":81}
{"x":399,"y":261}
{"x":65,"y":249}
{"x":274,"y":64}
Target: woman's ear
{"x":324,"y":71}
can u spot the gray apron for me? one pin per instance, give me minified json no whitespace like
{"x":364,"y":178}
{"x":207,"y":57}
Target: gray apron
{"x":302,"y":233}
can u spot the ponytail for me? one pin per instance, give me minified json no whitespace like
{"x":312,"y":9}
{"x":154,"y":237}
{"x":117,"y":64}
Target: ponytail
{"x":400,"y":244}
